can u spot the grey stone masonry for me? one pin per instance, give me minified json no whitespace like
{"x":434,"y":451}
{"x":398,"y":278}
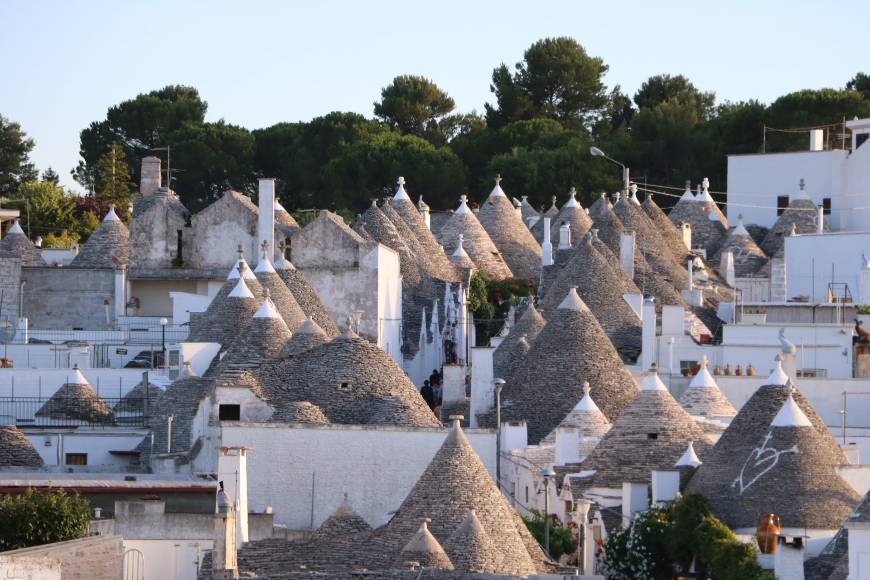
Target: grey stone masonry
{"x":10,"y":286}
{"x":506,"y":356}
{"x":78,"y":402}
{"x":107,"y":247}
{"x":477,"y":243}
{"x":512,"y":238}
{"x":666,"y":228}
{"x":16,"y":450}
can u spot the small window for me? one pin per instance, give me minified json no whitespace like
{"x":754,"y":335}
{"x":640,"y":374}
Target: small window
{"x":652,"y":436}
{"x":860,"y":139}
{"x":344,"y":386}
{"x":76,"y":458}
{"x":781,"y":204}
{"x":826,"y":205}
{"x":527,"y":495}
{"x":230,"y":412}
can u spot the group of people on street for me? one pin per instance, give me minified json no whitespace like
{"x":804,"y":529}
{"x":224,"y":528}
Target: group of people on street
{"x":431,"y":391}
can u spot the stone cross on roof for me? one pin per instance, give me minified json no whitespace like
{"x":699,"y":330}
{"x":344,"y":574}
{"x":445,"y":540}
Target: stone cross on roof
{"x":400,"y":192}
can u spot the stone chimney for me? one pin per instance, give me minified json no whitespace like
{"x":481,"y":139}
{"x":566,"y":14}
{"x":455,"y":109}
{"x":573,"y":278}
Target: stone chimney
{"x":150,"y":180}
{"x":788,"y":560}
{"x":820,"y":220}
{"x":686,"y":232}
{"x":266,"y":222}
{"x":224,"y":566}
{"x":564,"y":236}
{"x":626,"y":252}
{"x":424,"y":212}
{"x":648,"y":333}
{"x":232,"y":469}
{"x":547,"y":245}
{"x":726,"y":267}
{"x":567,"y":446}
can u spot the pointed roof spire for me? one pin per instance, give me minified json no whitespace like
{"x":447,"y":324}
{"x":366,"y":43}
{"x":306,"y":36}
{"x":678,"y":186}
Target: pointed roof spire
{"x":111,"y":216}
{"x":241,"y":290}
{"x":778,"y":376}
{"x":633,"y":198}
{"x":586,"y":403}
{"x":687,"y":195}
{"x":790,"y":415}
{"x":705,"y":192}
{"x":400,"y":191}
{"x":652,"y":382}
{"x":265,"y":264}
{"x":497,"y":190}
{"x":187,"y":370}
{"x":689,"y":458}
{"x":460,"y":251}
{"x":740,"y":229}
{"x":573,"y":301}
{"x":424,"y":549}
{"x":572,"y":201}
{"x":463,"y":205}
{"x":282,"y":263}
{"x":16,"y":228}
{"x":703,"y":378}
{"x":802,"y":192}
{"x":267,"y":309}
{"x":422,"y":205}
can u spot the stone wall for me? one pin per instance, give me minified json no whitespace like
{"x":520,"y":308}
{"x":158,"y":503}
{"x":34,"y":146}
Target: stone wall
{"x":219,"y":229}
{"x":154,"y":236}
{"x":10,"y":279}
{"x":62,"y":298}
{"x":91,"y":558}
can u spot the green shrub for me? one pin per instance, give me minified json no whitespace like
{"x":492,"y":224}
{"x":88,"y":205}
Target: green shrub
{"x":561,"y":539}
{"x":33,"y":518}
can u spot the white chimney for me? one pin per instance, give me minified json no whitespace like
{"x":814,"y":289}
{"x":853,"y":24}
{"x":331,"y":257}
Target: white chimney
{"x":266,"y":223}
{"x":691,"y":280}
{"x":648,"y":334}
{"x":726,"y":267}
{"x":567,"y":445}
{"x":564,"y":237}
{"x":149,"y":181}
{"x":547,"y":246}
{"x":482,"y":396}
{"x":634,"y":500}
{"x":665,"y":486}
{"x":820,"y":221}
{"x":514,"y":436}
{"x":626,"y":252}
{"x":453,"y":388}
{"x":788,"y":560}
{"x":686,"y":231}
{"x":232,"y":469}
{"x":817,"y":139}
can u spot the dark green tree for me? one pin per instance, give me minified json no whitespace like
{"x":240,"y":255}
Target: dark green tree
{"x":15,"y":165}
{"x":417,"y":106}
{"x":810,"y":108}
{"x":34,"y":518}
{"x":115,"y":186}
{"x":138,"y":125}
{"x":556,"y":79}
{"x":662,"y":88}
{"x":861,"y":83}
{"x":212,"y":158}
{"x":45,"y":207}
{"x":50,"y":175}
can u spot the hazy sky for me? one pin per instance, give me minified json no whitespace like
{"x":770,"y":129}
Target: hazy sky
{"x":260,"y":62}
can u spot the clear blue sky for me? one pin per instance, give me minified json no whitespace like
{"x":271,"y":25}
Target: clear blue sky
{"x":260,"y":62}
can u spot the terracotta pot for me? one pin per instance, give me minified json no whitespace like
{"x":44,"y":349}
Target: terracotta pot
{"x":728,"y":369}
{"x":767,"y":533}
{"x":750,"y":371}
{"x":717,"y":370}
{"x":738,"y":371}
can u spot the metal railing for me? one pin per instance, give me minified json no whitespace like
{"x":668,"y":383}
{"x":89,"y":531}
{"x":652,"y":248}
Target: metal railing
{"x":76,"y":412}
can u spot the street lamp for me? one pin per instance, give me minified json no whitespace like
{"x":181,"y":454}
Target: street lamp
{"x":498,"y":384}
{"x":596,"y":152}
{"x":548,"y":474}
{"x":163,"y":323}
{"x":583,"y":507}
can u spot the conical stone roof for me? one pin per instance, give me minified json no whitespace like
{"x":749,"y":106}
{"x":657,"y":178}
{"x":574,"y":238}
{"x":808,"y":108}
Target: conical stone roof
{"x":224,"y":317}
{"x":180,"y":400}
{"x":471,"y":549}
{"x":668,"y":230}
{"x":572,"y":214}
{"x":16,"y":243}
{"x":454,"y":482}
{"x":305,"y":337}
{"x":138,"y":398}
{"x":16,"y":450}
{"x":527,"y":211}
{"x":708,"y":228}
{"x":598,"y":204}
{"x":262,"y":338}
{"x":747,"y":432}
{"x":307,"y":298}
{"x":601,"y":285}
{"x":352,"y":381}
{"x":651,"y":434}
{"x":300,"y":412}
{"x":344,"y":521}
{"x":279,"y":294}
{"x":512,"y":238}
{"x":424,"y":550}
{"x":382,"y":230}
{"x":77,"y":401}
{"x":801,"y":212}
{"x":790,"y":474}
{"x":748,"y":257}
{"x":570,"y":350}
{"x":439,"y":265}
{"x":476,"y":242}
{"x":460,"y":257}
{"x":553,"y":210}
{"x":703,"y":396}
{"x":649,"y":242}
{"x":585,"y":417}
{"x":107,"y":247}
{"x":506,"y":356}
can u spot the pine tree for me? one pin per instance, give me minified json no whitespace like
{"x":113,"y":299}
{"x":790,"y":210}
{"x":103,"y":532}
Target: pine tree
{"x":115,"y":183}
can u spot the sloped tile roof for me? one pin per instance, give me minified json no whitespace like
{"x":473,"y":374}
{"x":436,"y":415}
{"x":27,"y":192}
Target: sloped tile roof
{"x":16,"y":450}
{"x":476,"y":241}
{"x":511,"y":236}
{"x":107,"y":247}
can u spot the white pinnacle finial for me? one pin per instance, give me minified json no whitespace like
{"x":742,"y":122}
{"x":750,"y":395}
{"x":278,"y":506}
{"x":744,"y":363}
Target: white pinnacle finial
{"x":497,"y":191}
{"x":689,"y":458}
{"x":703,"y":378}
{"x":111,"y":216}
{"x":400,"y":191}
{"x":498,"y":178}
{"x":573,"y":301}
{"x":460,"y":250}
{"x":740,"y":229}
{"x":463,"y":205}
{"x":778,"y":376}
{"x":652,"y":382}
{"x":15,"y":229}
{"x":586,"y":388}
{"x":265,"y":264}
{"x":790,"y":415}
{"x":572,"y":200}
{"x":633,"y":198}
{"x":241,"y":290}
{"x":687,"y":195}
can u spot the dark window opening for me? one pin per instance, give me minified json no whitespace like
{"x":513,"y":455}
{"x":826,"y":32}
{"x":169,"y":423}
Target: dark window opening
{"x":781,"y":204}
{"x":860,"y":138}
{"x":344,"y":386}
{"x":230,"y":412}
{"x":652,"y":435}
{"x":826,"y":205}
{"x":527,"y":495}
{"x":76,"y":458}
